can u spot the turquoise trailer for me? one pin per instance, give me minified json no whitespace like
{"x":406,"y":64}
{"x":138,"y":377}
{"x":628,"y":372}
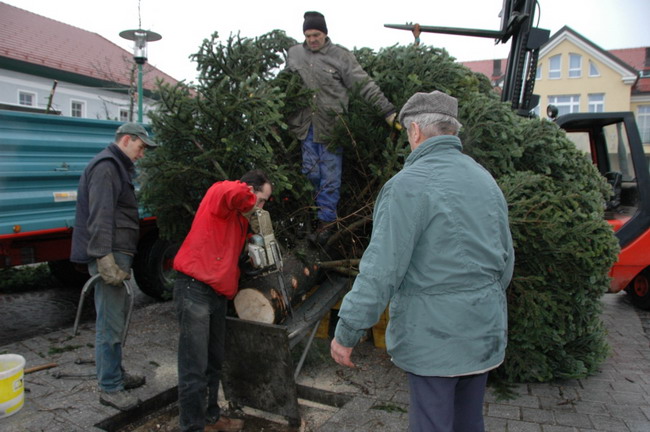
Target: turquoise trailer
{"x":41,"y":160}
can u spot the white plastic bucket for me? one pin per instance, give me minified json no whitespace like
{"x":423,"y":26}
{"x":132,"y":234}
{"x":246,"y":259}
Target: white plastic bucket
{"x":12,"y":388}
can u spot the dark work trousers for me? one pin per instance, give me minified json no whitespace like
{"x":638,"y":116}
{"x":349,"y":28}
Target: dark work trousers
{"x":202,"y":322}
{"x":446,"y":404}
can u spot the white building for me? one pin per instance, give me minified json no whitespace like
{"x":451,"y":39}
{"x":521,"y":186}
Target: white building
{"x":49,"y":66}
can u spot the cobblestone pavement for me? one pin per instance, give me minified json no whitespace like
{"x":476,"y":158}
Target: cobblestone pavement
{"x":615,"y":399}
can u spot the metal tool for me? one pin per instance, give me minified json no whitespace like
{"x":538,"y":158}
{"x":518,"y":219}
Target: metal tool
{"x":91,"y":283}
{"x":264,"y":251}
{"x":279,"y":264}
{"x":87,"y":375}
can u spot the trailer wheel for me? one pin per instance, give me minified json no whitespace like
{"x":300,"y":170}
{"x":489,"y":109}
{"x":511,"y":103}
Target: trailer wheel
{"x":67,"y":273}
{"x":639,"y":290}
{"x":153,"y":270}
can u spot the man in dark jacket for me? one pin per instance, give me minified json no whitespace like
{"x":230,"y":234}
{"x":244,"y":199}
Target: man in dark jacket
{"x":331,"y":71}
{"x":208,"y":276}
{"x":105,"y":238}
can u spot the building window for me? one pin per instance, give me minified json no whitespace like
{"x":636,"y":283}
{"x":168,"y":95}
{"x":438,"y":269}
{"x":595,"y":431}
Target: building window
{"x":538,"y":73}
{"x":575,"y":65}
{"x":596,"y":102}
{"x":643,"y":121}
{"x":565,"y":104}
{"x":77,"y":108}
{"x":593,"y":69}
{"x":555,"y":67}
{"x":124,"y":115}
{"x":26,"y":98}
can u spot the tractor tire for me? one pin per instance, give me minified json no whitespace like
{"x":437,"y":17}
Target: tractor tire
{"x":67,"y":273}
{"x":152,"y":266}
{"x":639,"y":290}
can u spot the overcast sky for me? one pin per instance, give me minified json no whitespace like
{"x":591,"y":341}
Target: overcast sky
{"x":610,"y":24}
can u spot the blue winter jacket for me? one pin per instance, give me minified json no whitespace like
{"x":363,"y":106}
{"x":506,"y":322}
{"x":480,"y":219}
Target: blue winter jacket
{"x":441,"y":253}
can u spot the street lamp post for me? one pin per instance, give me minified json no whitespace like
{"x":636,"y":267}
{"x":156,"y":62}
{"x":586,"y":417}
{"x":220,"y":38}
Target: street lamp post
{"x":140,"y":38}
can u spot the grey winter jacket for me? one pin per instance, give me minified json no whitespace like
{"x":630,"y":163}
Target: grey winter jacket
{"x":331,"y":71}
{"x":106,"y":218}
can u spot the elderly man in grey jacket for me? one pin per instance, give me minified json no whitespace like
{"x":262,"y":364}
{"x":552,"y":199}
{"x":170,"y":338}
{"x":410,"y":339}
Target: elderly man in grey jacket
{"x":441,"y":253}
{"x":331,"y":71}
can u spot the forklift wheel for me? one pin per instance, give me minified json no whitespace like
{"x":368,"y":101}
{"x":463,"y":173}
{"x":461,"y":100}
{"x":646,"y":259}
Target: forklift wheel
{"x":639,"y":290}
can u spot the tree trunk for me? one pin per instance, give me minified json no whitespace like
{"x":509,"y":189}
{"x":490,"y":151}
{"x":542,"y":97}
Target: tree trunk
{"x":260,"y":298}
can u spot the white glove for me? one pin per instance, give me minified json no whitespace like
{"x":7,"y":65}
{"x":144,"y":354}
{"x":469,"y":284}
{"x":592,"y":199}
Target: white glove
{"x":110,"y":272}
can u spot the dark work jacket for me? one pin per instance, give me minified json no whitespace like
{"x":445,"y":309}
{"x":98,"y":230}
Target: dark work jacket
{"x":331,"y":72}
{"x":106,"y":218}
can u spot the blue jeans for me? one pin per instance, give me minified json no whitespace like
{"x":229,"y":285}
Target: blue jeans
{"x":111,"y":306}
{"x":323,"y":169}
{"x":201,"y":316}
{"x":446,"y":404}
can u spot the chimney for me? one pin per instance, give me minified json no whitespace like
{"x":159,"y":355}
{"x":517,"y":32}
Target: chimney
{"x":647,"y":57}
{"x":496,"y":67}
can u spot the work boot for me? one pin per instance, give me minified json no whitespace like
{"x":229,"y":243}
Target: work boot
{"x":322,"y":234}
{"x":132,"y":381}
{"x":121,"y":400}
{"x":225,"y":424}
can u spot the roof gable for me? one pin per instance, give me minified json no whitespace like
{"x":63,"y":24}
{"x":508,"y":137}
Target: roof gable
{"x":46,"y":43}
{"x":627,"y":72}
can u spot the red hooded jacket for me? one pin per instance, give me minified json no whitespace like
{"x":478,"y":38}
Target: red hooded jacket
{"x":210,"y":252}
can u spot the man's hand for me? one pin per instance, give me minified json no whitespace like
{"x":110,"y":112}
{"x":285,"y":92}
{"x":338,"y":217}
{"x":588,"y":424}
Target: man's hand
{"x":110,"y":272}
{"x":341,"y":354}
{"x":392,"y":122}
{"x":250,"y":212}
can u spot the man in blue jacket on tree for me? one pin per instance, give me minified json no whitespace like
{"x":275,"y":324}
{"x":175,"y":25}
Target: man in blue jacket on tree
{"x":441,"y":253}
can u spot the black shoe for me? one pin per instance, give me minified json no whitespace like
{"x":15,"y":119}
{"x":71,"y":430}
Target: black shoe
{"x":133,"y":381}
{"x":121,"y":400}
{"x":322,"y":234}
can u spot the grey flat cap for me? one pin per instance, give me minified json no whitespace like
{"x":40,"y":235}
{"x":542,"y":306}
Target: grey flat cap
{"x":139,"y":130}
{"x":435,"y":102}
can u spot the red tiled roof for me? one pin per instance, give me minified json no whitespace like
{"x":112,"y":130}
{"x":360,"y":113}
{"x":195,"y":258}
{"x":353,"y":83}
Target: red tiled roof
{"x":642,"y":86}
{"x":32,"y":38}
{"x":486,"y":67}
{"x":635,"y":57}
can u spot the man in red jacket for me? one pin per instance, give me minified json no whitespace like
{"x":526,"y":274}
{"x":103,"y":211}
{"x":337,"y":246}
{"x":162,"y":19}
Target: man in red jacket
{"x":208,"y":277}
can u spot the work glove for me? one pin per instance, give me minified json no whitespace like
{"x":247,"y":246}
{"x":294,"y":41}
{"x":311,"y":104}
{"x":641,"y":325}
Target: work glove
{"x":390,"y":119}
{"x":110,"y":272}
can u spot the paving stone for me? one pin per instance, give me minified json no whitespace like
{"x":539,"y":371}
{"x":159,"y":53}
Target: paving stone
{"x":573,"y":419}
{"x":605,"y":423}
{"x":504,"y":411}
{"x":617,"y":398}
{"x":549,"y":428}
{"x":522,"y":426}
{"x":494,"y":424}
{"x":538,"y":416}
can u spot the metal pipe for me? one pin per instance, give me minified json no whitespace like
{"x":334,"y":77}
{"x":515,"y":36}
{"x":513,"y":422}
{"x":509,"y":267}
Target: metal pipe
{"x":89,"y":284}
{"x":306,"y":350}
{"x":140,"y":93}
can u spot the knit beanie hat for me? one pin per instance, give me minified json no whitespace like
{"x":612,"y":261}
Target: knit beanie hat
{"x":314,"y":21}
{"x":435,"y":102}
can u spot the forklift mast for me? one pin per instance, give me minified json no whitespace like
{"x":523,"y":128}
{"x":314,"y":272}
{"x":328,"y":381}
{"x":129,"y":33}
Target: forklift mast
{"x":517,"y":24}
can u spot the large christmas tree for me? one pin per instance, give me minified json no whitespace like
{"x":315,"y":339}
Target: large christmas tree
{"x":233,"y":120}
